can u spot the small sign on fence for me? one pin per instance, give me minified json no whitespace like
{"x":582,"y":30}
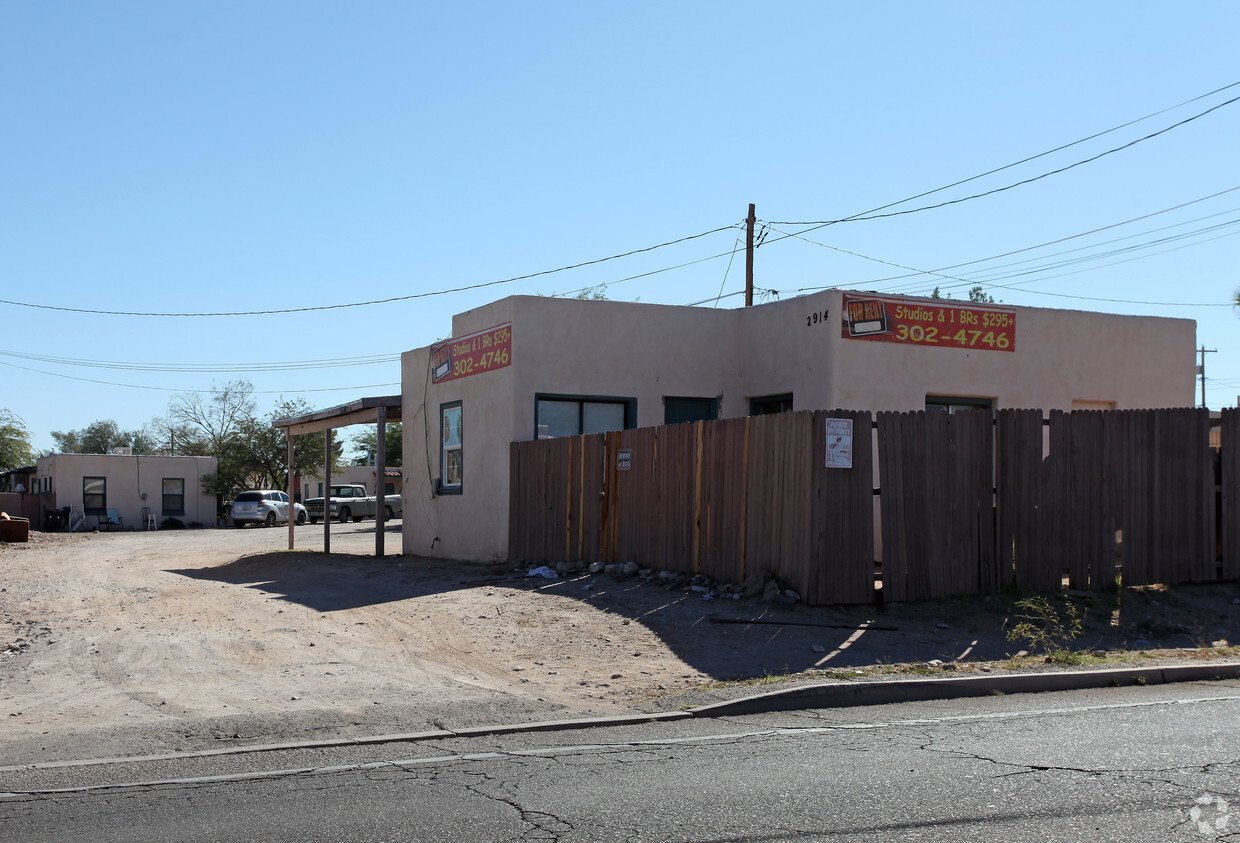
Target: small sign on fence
{"x":839,"y":443}
{"x":624,"y":459}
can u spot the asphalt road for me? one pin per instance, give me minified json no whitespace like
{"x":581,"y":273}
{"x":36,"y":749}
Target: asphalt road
{"x":1134,"y":763}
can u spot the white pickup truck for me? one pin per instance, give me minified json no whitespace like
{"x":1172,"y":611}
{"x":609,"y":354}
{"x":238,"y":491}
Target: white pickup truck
{"x":351,"y":501}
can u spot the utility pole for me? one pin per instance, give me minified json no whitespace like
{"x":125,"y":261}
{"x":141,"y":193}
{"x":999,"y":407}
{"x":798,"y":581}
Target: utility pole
{"x":1201,"y":370}
{"x":749,"y":222}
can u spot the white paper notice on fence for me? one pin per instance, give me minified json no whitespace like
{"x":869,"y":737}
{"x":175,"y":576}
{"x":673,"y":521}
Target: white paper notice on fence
{"x":839,"y":443}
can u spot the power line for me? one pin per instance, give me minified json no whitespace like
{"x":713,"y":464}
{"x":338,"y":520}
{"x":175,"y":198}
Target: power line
{"x":654,"y":272}
{"x":941,"y":271}
{"x":409,"y":297}
{"x":199,"y":391}
{"x":873,"y":213}
{"x":206,"y":367}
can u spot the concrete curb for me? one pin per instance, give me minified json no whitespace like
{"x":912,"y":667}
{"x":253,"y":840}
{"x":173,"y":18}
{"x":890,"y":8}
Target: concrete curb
{"x":832,"y":695}
{"x":839,"y":695}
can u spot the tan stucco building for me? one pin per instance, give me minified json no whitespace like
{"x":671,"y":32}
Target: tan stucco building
{"x":526,"y":367}
{"x":364,"y":474}
{"x":92,"y":484}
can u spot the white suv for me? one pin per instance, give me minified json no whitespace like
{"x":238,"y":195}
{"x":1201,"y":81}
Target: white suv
{"x":266,"y":507}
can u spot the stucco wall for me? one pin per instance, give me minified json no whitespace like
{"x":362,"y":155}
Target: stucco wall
{"x":623,"y":349}
{"x":127,"y":478}
{"x":647,"y":352}
{"x":1061,"y":356}
{"x":311,"y":487}
{"x":472,"y":524}
{"x":786,"y":348}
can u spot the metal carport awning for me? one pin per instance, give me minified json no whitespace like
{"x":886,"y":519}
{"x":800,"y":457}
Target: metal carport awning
{"x":378,"y":411}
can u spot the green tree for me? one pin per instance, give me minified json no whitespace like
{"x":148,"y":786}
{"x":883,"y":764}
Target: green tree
{"x":366,"y":442}
{"x":165,"y":437}
{"x":249,"y":452}
{"x":978,"y":294}
{"x":99,"y":437}
{"x":218,"y":419}
{"x":15,"y":449}
{"x":596,"y":293}
{"x":264,"y":449}
{"x":215,"y":417}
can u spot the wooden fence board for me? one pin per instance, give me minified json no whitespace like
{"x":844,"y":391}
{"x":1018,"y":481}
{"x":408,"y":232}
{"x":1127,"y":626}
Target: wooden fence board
{"x":969,"y":503}
{"x":894,"y":581}
{"x":1229,"y":491}
{"x":842,"y":538}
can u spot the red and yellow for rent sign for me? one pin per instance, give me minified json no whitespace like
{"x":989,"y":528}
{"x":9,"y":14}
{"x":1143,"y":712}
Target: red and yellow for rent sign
{"x":935,"y":322}
{"x":481,"y":352}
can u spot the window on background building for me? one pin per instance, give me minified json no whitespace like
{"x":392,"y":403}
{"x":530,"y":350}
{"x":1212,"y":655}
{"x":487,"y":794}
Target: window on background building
{"x":566,"y":415}
{"x":954,"y":404}
{"x":681,"y":410}
{"x":768,"y":405}
{"x":174,"y":496}
{"x":451,"y":449}
{"x":95,"y":495}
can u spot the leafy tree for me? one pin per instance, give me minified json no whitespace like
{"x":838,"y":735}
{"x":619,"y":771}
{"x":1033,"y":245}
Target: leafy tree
{"x":249,"y":452}
{"x":218,"y":419}
{"x":99,"y":438}
{"x":365,"y":443}
{"x":264,"y":449}
{"x":596,"y":293}
{"x":167,"y":438}
{"x":976,"y":294}
{"x":15,"y":449}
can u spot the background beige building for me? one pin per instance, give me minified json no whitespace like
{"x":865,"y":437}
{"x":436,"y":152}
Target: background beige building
{"x":527,"y":367}
{"x":363,"y":474}
{"x":171,"y":487}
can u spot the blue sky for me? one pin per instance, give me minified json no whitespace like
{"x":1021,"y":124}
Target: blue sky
{"x":207,"y":158}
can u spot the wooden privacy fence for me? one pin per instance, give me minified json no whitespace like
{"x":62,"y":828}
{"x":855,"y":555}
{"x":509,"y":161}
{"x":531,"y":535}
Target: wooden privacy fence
{"x":968,"y":503}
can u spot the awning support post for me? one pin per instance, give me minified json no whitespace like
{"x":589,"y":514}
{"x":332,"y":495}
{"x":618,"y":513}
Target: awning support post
{"x":380,"y":478}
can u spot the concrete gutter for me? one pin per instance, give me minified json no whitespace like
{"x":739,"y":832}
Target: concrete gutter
{"x":827,"y":695}
{"x":842,"y":694}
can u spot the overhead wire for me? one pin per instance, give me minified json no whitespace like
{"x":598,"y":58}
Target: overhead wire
{"x":942,"y":272}
{"x":993,"y":276}
{"x":199,"y":368}
{"x":873,"y":212}
{"x":199,"y":391}
{"x":1121,"y":239}
{"x":390,"y":300}
{"x":736,"y":248}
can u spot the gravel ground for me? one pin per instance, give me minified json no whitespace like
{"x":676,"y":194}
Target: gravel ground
{"x":135,"y":643}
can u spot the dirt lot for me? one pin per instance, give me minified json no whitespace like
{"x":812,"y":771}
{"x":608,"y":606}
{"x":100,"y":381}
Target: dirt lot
{"x":136,"y":643}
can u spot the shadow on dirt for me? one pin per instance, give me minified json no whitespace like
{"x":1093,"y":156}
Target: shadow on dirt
{"x":736,"y":639}
{"x":332,"y":582}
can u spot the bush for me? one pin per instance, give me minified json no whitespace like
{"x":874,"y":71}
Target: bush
{"x":1043,"y":626}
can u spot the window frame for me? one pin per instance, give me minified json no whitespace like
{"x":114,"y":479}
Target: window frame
{"x":759,"y":405}
{"x":629,"y":405}
{"x":710,"y":404}
{"x":103,"y":495}
{"x":165,"y":497}
{"x":442,"y":487}
{"x":956,"y":403}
